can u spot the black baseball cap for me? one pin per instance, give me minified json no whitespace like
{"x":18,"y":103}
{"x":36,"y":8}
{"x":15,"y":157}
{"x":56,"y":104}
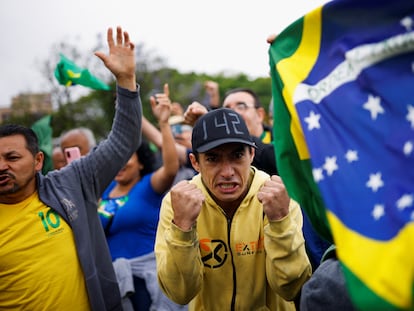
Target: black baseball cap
{"x":218,"y":127}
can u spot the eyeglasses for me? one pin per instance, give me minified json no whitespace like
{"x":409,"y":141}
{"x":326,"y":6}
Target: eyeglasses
{"x":241,"y":106}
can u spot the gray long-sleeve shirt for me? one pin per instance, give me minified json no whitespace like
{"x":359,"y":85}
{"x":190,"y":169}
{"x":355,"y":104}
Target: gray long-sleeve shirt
{"x":74,"y":190}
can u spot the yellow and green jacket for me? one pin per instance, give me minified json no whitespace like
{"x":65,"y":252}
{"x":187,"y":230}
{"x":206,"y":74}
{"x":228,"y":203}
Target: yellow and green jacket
{"x":246,"y":263}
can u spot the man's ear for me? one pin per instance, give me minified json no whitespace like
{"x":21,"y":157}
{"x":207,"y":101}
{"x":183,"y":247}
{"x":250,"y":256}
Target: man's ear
{"x":194,"y":162}
{"x":38,"y":160}
{"x":252,"y":154}
{"x":261,"y":112}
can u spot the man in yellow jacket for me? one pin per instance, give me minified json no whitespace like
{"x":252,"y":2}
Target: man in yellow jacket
{"x":231,"y":238}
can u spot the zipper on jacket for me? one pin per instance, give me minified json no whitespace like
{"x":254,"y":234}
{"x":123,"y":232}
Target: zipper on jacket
{"x":233,"y":297}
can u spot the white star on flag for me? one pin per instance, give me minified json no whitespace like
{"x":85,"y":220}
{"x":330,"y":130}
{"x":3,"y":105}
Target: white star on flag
{"x":410,"y":115}
{"x":351,"y":156}
{"x":330,"y":165}
{"x":313,"y":121}
{"x":375,"y":181}
{"x":408,"y":148}
{"x":317,"y":174}
{"x":405,"y":201}
{"x":378,"y":211}
{"x":373,"y":106}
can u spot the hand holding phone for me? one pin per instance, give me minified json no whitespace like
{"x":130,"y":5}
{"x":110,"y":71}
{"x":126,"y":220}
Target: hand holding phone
{"x":72,"y":154}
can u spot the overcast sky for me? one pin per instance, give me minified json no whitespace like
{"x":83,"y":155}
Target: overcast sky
{"x":203,"y":36}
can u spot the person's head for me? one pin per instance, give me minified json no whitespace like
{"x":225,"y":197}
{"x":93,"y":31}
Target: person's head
{"x":141,"y":163}
{"x":181,"y":131}
{"x":58,"y":158}
{"x":247,"y":104}
{"x":177,"y":109}
{"x":81,"y":137}
{"x":20,"y":160}
{"x":223,"y":151}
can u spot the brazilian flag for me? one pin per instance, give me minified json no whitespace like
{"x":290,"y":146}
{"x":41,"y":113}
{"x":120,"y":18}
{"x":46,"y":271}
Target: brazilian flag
{"x":343,"y":92}
{"x":68,"y":74}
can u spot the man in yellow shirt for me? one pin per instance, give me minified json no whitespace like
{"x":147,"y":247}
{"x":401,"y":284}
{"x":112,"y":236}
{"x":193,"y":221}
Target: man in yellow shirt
{"x":53,"y":252}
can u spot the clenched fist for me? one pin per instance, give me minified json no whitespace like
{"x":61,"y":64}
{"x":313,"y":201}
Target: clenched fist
{"x":186,"y":202}
{"x":274,"y":197}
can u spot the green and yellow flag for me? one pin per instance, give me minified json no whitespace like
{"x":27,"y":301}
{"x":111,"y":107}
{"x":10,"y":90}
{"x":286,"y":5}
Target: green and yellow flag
{"x":68,"y":74}
{"x":343,"y":90}
{"x":44,"y":133}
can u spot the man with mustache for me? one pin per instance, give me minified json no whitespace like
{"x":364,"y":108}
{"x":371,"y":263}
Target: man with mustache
{"x":53,"y":252}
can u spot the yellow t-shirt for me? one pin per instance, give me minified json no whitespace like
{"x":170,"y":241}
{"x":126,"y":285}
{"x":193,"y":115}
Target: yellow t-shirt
{"x":39,"y":266}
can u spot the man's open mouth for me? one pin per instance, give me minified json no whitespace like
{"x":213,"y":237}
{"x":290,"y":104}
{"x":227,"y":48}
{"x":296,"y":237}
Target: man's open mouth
{"x":4,"y":178}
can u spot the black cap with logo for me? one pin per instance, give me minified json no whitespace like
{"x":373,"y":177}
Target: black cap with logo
{"x":218,"y":127}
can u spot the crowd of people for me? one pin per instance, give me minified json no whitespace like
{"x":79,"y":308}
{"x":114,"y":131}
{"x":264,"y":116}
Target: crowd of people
{"x":205,"y":224}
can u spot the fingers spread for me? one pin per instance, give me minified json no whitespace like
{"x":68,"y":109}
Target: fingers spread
{"x":119,"y":38}
{"x":109,"y":38}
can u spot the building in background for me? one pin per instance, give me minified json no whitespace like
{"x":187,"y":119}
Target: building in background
{"x":36,"y":104}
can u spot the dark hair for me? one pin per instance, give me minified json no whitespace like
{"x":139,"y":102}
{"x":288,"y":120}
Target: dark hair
{"x":147,"y":158}
{"x":29,"y":135}
{"x":257,"y":103}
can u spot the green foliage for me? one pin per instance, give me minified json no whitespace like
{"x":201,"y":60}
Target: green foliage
{"x":261,"y":86}
{"x":188,"y":87}
{"x":95,"y":111}
{"x":26,"y":119}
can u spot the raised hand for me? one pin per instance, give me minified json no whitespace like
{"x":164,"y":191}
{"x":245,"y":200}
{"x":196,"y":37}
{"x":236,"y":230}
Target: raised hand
{"x":121,"y":58}
{"x":161,"y":105}
{"x":271,"y":38}
{"x":212,"y":89}
{"x":194,"y":111}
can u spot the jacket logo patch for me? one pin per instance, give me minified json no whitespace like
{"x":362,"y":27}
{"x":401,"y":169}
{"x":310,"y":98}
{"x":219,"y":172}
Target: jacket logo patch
{"x":214,"y":253}
{"x":249,"y":248}
{"x":70,"y":209}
